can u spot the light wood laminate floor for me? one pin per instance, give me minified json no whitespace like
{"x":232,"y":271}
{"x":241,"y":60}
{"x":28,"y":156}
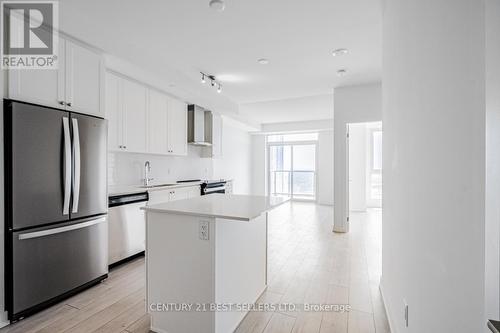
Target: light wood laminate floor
{"x":307,"y":264}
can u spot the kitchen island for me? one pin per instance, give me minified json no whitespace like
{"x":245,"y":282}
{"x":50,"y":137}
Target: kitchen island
{"x":206,"y":261}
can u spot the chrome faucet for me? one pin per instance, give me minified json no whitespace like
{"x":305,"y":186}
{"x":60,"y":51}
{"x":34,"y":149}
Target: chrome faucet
{"x":147,"y":170}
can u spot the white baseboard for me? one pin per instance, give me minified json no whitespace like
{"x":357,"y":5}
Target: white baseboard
{"x":3,"y":321}
{"x":389,"y":320}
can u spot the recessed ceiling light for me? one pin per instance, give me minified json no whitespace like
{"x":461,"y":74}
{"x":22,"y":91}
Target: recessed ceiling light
{"x":263,"y":61}
{"x":339,"y":52}
{"x":341,"y":72}
{"x":217,"y":5}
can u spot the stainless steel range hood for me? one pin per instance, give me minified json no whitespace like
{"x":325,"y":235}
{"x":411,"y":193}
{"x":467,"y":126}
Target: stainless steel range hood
{"x":199,"y":126}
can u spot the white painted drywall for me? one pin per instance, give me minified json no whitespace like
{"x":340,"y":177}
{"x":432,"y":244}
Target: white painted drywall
{"x":236,"y":160}
{"x":434,"y":165}
{"x":354,"y":104}
{"x":301,"y":109}
{"x":492,"y":250}
{"x":128,"y":168}
{"x":259,"y":164}
{"x":299,"y":126}
{"x":357,"y":167}
{"x":325,"y":168}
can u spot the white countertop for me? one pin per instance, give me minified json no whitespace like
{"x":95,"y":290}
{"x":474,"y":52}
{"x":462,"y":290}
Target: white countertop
{"x":225,"y":206}
{"x":130,"y":189}
{"x":114,"y":190}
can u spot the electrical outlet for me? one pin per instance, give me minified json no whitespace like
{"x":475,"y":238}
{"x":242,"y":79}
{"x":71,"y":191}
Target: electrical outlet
{"x":203,"y":230}
{"x":406,"y":313}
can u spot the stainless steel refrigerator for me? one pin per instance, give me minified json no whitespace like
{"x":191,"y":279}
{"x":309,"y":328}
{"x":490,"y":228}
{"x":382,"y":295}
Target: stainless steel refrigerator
{"x":55,"y":205}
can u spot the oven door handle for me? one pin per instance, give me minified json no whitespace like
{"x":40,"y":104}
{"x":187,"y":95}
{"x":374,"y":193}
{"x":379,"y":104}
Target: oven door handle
{"x":214,"y":189}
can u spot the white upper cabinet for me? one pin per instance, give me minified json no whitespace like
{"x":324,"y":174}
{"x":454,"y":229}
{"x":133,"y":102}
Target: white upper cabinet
{"x":113,"y":109}
{"x":144,"y":120}
{"x":39,"y":86}
{"x":134,"y":99}
{"x":126,"y":113}
{"x":75,"y":86}
{"x":158,"y":120}
{"x":177,"y":127}
{"x":83,"y":79}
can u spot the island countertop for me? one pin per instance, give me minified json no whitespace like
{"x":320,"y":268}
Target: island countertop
{"x":225,"y":206}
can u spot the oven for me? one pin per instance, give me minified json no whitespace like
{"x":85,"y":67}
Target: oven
{"x":210,"y":187}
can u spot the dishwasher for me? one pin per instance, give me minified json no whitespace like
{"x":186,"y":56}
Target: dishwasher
{"x":127,"y":227}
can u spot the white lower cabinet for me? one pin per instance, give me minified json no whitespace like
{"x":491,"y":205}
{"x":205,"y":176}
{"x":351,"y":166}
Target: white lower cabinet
{"x":229,"y":187}
{"x":169,"y":195}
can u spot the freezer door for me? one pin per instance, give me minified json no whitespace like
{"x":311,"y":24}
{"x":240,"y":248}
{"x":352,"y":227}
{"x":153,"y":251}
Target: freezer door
{"x":89,"y":151}
{"x":49,"y":262}
{"x":38,"y":165}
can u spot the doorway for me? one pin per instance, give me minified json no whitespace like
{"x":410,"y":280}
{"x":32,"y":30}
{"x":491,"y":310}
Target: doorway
{"x":364,"y":166}
{"x":292,"y":164}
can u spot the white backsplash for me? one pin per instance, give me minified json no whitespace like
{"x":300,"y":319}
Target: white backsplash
{"x":128,"y":168}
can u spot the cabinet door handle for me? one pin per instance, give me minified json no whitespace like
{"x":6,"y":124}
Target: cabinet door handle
{"x":68,"y":104}
{"x":61,"y":102}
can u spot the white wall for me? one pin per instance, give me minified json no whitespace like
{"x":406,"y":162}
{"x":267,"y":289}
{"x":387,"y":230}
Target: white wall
{"x":259,"y":164}
{"x":236,"y":160}
{"x":354,"y":104}
{"x":301,"y":126}
{"x":357,"y":167}
{"x":434,"y":164}
{"x":325,"y":168}
{"x":492,"y":253}
{"x":128,"y":168}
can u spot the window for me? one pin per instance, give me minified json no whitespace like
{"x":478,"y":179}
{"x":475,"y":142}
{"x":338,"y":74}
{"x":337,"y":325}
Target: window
{"x":292,"y":165}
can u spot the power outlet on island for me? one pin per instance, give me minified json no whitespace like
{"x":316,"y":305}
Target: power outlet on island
{"x":203,"y":230}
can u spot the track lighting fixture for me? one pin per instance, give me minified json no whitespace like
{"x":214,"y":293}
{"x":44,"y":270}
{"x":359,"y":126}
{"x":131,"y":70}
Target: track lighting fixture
{"x":213,"y":81}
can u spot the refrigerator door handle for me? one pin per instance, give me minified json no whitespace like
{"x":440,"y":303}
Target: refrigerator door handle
{"x":37,"y":234}
{"x":76,"y":171}
{"x":67,"y":166}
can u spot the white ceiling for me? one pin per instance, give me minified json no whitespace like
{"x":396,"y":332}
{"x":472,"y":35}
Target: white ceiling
{"x":291,"y":109}
{"x":186,"y":36}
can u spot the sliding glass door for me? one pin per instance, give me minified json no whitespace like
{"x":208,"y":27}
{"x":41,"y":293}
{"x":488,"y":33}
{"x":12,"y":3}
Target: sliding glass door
{"x":292,"y":170}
